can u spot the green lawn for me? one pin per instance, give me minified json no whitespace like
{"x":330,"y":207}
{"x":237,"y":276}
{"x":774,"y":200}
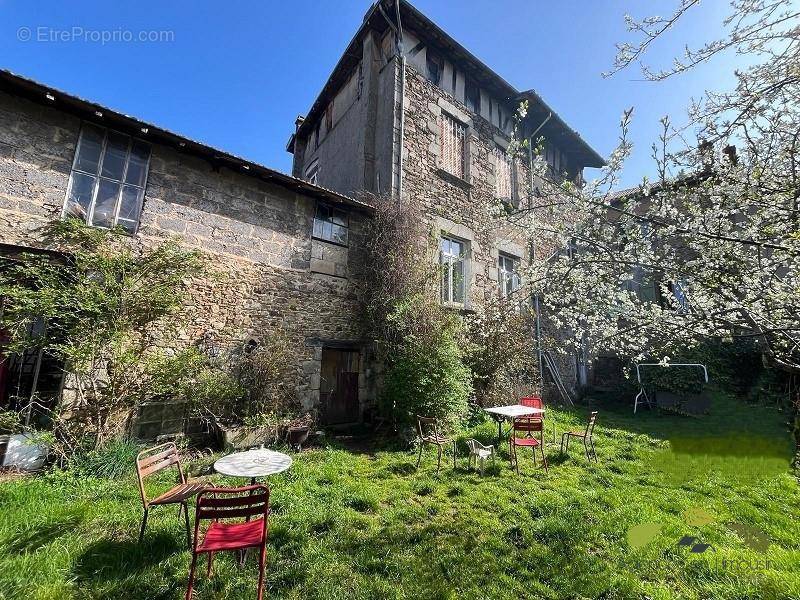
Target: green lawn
{"x":354,"y":524}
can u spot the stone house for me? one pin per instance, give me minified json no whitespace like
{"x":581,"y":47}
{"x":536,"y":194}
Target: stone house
{"x":409,"y":112}
{"x":286,"y":247}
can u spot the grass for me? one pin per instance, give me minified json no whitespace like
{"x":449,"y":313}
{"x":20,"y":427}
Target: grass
{"x":366,"y":524}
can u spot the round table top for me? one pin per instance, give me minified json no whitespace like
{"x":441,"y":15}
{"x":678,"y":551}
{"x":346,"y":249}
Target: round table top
{"x":253,"y":463}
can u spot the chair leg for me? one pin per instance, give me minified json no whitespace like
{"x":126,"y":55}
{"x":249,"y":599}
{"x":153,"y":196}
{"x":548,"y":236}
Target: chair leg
{"x":586,"y":449}
{"x":262,"y":558}
{"x":544,"y":459}
{"x":144,"y":524}
{"x":210,"y":562}
{"x":438,"y":459}
{"x":419,"y":457}
{"x":185,"y":506}
{"x":591,"y":441}
{"x":190,"y":587}
{"x":563,"y":438}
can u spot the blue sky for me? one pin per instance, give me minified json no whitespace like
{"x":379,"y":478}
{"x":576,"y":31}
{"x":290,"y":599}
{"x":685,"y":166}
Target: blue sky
{"x":235,"y":75}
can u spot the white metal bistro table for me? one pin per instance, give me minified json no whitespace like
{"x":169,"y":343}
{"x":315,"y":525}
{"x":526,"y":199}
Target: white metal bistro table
{"x":253,"y":463}
{"x":512,"y":411}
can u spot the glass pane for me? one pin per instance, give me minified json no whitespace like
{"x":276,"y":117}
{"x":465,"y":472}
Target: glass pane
{"x":80,"y":195}
{"x":327,"y":230}
{"x":339,"y":234}
{"x":458,"y":281}
{"x":457,"y":248}
{"x":129,"y":208}
{"x":89,"y":148}
{"x":115,"y":155}
{"x":338,"y":218}
{"x":317,"y":232}
{"x":445,"y":244}
{"x":137,"y":165}
{"x":445,"y":281}
{"x":106,"y":203}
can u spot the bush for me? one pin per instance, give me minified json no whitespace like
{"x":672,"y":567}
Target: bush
{"x":428,"y":379}
{"x":678,"y":380}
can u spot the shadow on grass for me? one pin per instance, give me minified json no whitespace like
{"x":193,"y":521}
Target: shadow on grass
{"x":40,"y":535}
{"x":110,"y":559}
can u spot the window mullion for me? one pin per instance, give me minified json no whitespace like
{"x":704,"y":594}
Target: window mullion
{"x":96,"y":190}
{"x":115,"y":220}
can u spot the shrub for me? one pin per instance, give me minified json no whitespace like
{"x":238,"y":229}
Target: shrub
{"x":428,"y":379}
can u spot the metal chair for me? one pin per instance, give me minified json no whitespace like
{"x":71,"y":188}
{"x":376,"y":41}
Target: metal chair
{"x":428,"y":431}
{"x":157,"y":459}
{"x":588,"y":440}
{"x":216,"y":504}
{"x":533,"y":402}
{"x":527,"y":426}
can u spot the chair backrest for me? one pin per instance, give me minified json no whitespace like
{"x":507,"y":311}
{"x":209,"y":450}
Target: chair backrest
{"x":590,"y":424}
{"x":528,"y":424}
{"x":531,"y":402}
{"x":215,"y":504}
{"x":426,"y":426}
{"x":155,"y":459}
{"x":474,"y":445}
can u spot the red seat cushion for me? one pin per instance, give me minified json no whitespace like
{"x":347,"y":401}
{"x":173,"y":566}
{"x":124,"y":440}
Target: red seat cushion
{"x":526,"y":442}
{"x":231,"y":536}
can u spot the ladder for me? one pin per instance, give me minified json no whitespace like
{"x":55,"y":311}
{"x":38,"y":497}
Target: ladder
{"x":550,"y":363}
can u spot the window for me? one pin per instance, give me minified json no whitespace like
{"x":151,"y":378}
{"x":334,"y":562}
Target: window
{"x":106,"y":186}
{"x":472,"y":97}
{"x":453,"y":135}
{"x":329,"y":117}
{"x":312,"y":172}
{"x":454,"y":79}
{"x":330,"y":224}
{"x":434,"y":67}
{"x":504,"y":183}
{"x":452,"y":258}
{"x":508,"y":275}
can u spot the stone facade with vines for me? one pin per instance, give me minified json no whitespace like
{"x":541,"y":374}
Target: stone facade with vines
{"x":267,"y":273}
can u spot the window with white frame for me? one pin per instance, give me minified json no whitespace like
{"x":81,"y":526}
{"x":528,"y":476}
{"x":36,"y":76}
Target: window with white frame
{"x":452,"y":257}
{"x":453,"y":137}
{"x":330,"y":225}
{"x":109,"y":173}
{"x":504,"y":173}
{"x":508,"y":274}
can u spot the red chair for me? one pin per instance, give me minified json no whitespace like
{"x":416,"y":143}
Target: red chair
{"x":231,"y":503}
{"x":526,"y":426}
{"x":533,"y":402}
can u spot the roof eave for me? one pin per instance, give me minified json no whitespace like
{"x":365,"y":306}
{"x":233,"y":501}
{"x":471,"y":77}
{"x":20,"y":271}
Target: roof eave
{"x":106,"y":117}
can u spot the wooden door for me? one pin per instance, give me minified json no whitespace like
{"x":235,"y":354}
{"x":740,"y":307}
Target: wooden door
{"x":338,"y":386}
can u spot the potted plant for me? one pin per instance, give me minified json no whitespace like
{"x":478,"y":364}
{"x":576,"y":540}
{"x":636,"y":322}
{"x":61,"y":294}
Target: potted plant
{"x":298,"y":430}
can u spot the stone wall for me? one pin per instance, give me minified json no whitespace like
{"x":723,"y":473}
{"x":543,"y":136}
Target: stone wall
{"x":268,"y":273}
{"x":466,"y":208}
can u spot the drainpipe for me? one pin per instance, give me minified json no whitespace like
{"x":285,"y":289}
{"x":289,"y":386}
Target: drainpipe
{"x":401,"y":54}
{"x":533,"y":245}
